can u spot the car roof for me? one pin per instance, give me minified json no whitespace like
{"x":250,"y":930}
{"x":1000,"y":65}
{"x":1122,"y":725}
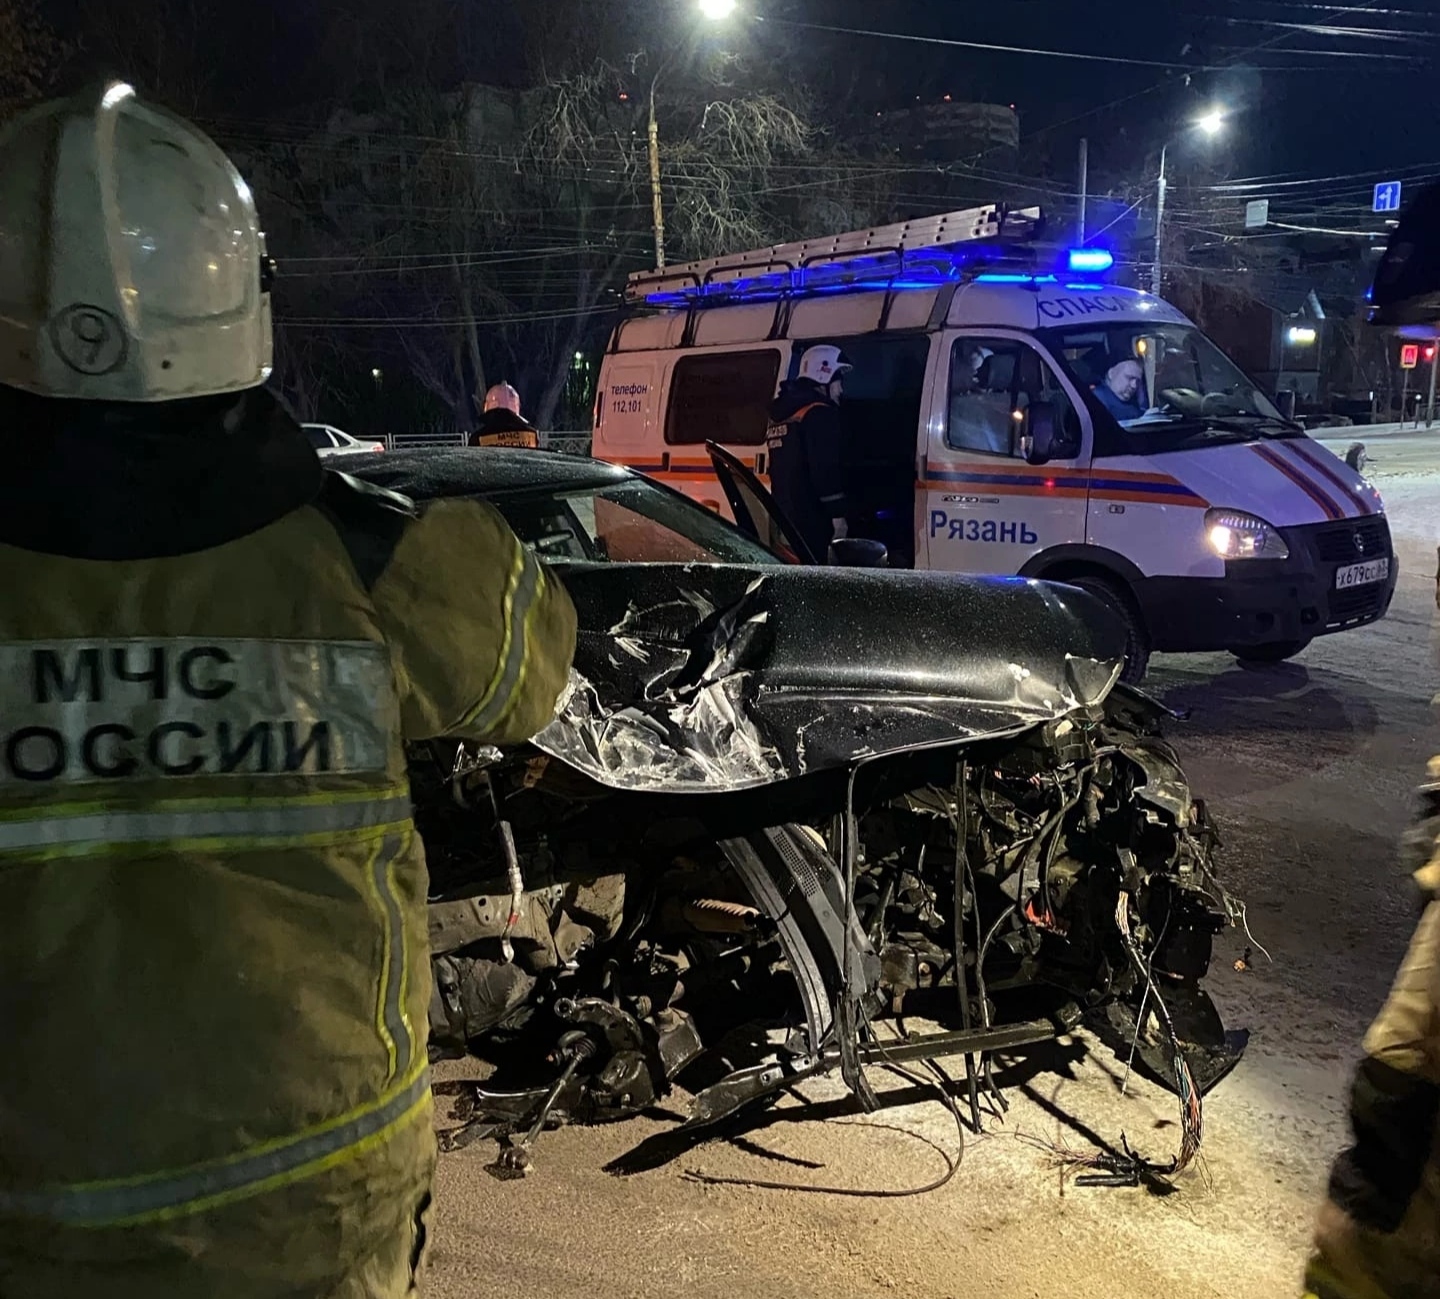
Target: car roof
{"x":431,"y":473}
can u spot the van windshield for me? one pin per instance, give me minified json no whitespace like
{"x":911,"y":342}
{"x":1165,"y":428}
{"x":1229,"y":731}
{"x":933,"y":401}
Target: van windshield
{"x":1165,"y":386}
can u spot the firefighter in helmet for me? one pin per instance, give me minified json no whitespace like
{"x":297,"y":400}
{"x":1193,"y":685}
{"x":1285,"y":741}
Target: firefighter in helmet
{"x":501,"y":424}
{"x":807,"y":472}
{"x":212,"y":897}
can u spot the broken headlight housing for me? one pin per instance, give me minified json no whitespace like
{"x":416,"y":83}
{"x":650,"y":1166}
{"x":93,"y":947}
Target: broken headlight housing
{"x":1233,"y":534}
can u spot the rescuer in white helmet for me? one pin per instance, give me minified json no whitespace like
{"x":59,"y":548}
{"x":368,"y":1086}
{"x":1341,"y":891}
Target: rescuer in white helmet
{"x":215,"y":980}
{"x":806,"y":452}
{"x":501,"y":424}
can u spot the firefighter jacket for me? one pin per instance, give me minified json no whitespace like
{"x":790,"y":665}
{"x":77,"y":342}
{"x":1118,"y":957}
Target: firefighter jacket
{"x":806,"y":463}
{"x":1379,"y":1232}
{"x":214,"y":973}
{"x":504,"y":428}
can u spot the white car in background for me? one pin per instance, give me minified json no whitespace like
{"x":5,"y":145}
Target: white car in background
{"x":331,"y":441}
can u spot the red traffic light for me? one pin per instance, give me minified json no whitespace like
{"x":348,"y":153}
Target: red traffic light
{"x":1428,"y":353}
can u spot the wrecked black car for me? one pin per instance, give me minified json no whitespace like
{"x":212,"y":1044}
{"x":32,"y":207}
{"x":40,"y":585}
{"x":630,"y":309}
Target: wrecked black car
{"x":780,"y":804}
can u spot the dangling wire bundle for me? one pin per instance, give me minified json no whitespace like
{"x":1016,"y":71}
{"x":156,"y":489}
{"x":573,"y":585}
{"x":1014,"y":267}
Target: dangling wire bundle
{"x":1130,"y":1168}
{"x":1192,"y":1112}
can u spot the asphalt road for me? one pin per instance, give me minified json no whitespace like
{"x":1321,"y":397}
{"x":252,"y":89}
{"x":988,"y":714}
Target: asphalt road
{"x":1309,"y":768}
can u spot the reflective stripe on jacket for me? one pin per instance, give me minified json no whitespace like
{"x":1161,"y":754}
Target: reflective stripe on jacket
{"x":214,"y":975}
{"x":1379,"y":1231}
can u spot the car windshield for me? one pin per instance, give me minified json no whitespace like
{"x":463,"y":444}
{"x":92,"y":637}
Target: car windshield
{"x":1166,"y":386}
{"x":632,"y":522}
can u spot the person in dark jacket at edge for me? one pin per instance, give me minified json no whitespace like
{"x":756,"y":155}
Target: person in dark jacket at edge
{"x":1378,"y":1236}
{"x":501,"y":424}
{"x":806,"y":463}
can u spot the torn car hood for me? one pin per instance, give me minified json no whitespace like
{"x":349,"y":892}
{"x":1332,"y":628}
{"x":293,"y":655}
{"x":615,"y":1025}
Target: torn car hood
{"x":697,"y":679}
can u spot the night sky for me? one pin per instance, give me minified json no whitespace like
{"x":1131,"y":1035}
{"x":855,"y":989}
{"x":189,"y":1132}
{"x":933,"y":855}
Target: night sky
{"x":1344,"y":114}
{"x":1340,"y":115}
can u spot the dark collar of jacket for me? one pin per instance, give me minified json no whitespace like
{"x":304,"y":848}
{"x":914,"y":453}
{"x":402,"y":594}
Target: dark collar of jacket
{"x":501,"y":420}
{"x":126,"y":481}
{"x":795,"y":396}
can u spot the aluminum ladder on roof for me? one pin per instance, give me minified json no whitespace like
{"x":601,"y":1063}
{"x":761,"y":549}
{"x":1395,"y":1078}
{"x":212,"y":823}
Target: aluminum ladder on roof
{"x":901,"y":241}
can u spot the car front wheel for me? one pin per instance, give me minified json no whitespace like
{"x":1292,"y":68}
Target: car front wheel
{"x":1118,"y":601}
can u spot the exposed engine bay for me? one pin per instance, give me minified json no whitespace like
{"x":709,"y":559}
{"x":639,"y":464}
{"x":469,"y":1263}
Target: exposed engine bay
{"x":713,"y":874}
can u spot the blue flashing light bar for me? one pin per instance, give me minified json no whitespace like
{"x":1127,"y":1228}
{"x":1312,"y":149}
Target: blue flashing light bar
{"x":851,"y":275}
{"x":885,"y":271}
{"x":1090,"y":261}
{"x":1008,"y":277}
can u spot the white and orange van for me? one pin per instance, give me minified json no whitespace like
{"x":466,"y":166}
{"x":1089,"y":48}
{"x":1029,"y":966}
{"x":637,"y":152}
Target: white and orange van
{"x":977,"y":438}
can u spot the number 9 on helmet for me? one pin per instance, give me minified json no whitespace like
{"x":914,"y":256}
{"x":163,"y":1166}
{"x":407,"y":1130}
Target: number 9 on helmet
{"x":133,"y":266}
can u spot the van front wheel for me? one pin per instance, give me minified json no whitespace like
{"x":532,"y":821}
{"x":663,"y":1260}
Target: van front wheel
{"x":1276,"y":651}
{"x":1137,"y":636}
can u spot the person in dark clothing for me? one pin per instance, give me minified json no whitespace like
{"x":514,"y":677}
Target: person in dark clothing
{"x":806,"y":475}
{"x":1120,"y":393}
{"x":501,"y":424}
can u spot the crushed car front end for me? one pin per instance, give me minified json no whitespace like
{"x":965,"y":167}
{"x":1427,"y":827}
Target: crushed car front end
{"x":782,"y":804}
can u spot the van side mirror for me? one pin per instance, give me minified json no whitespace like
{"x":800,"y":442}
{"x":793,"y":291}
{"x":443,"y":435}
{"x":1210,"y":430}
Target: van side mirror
{"x":1038,"y":442}
{"x":858,"y":552}
{"x":1046,"y":437}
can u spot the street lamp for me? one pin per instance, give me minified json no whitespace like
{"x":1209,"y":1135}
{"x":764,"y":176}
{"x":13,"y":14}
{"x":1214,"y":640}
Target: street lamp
{"x":714,"y":11}
{"x":1210,"y":125}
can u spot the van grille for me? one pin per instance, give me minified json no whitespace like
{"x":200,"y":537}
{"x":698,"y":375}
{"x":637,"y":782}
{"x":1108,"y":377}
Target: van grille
{"x":1359,"y":604}
{"x":1350,"y":542}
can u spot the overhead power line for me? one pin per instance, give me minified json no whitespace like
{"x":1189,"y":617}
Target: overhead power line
{"x":1076,"y":55}
{"x":1324,"y":29}
{"x":1238,"y":187}
{"x":433,"y":322}
{"x":1343,"y":10}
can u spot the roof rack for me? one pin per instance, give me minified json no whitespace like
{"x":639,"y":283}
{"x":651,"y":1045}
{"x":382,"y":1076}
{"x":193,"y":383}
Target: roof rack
{"x":936,"y":249}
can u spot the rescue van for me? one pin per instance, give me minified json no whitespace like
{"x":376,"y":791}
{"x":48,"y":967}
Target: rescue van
{"x":1009,"y":412}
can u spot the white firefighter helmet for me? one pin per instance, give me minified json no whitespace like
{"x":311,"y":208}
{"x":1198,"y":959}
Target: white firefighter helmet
{"x":503,"y":397}
{"x":133,"y":266}
{"x":824,"y":365}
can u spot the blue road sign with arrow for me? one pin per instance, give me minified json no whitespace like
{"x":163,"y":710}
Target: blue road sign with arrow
{"x":1387,"y":196}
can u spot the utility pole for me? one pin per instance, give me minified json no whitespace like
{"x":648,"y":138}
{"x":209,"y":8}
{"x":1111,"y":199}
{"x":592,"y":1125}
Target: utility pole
{"x":1434,"y":361}
{"x":657,"y":198}
{"x":1155,"y":270}
{"x":1084,"y":192}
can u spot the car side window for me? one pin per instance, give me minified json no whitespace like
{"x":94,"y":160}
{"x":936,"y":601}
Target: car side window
{"x":551,"y":528}
{"x":319,"y":437}
{"x":993,"y":382}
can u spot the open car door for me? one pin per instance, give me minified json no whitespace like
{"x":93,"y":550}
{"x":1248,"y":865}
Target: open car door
{"x":756,"y":513}
{"x":1406,"y":292}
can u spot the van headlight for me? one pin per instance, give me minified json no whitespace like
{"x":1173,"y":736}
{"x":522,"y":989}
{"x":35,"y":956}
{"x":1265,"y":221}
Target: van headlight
{"x":1233,"y":534}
